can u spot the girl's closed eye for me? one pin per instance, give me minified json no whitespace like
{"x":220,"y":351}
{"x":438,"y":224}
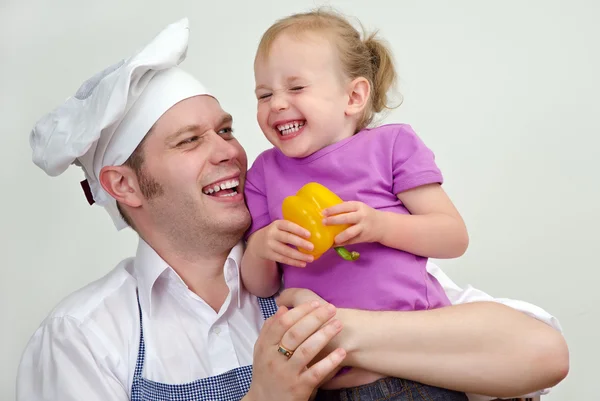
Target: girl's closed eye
{"x":264,"y":96}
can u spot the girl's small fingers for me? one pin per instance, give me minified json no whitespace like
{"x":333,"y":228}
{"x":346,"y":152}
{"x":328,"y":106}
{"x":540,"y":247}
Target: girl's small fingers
{"x":340,"y":219}
{"x":347,"y":235}
{"x":343,"y":207}
{"x":291,"y":253}
{"x":293,"y":228}
{"x":290,"y":261}
{"x":292,"y":239}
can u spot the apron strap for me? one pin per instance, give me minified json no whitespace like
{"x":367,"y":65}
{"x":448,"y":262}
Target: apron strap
{"x":139,"y":364}
{"x":267,"y":306}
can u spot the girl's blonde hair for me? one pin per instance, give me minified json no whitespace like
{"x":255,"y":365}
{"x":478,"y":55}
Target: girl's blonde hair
{"x":367,"y":57}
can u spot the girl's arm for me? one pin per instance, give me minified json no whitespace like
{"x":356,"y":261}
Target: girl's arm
{"x":434,"y":228}
{"x":260,"y":276}
{"x":266,"y":247}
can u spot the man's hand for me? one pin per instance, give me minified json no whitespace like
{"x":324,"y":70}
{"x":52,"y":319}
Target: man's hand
{"x":271,"y":243}
{"x":366,"y":222}
{"x":305,"y":330}
{"x":293,"y":297}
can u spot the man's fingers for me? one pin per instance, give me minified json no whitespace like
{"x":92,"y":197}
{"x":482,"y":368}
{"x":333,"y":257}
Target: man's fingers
{"x":291,"y":297}
{"x":313,"y":346}
{"x":308,"y":326}
{"x":282,"y":323}
{"x":317,"y":373}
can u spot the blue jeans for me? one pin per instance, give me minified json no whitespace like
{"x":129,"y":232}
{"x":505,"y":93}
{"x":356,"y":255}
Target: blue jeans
{"x":392,"y":389}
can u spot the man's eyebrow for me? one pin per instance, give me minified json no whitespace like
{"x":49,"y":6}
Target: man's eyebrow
{"x":226,"y":119}
{"x":183,"y":130}
{"x":260,"y":87}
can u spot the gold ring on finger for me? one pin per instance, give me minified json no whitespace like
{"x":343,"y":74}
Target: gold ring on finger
{"x":286,"y":352}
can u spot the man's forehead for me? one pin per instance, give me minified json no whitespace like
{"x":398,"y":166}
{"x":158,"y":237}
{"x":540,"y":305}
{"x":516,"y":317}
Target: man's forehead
{"x":201,"y":111}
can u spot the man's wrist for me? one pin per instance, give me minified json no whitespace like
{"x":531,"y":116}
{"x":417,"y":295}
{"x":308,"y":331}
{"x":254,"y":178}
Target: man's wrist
{"x":348,"y":338}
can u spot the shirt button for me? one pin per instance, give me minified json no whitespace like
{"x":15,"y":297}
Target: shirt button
{"x":217,"y":330}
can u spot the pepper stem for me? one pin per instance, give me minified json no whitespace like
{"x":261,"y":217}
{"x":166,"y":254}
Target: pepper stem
{"x":346,"y":254}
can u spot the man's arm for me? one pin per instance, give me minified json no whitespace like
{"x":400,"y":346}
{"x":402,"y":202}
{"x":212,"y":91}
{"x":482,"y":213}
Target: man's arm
{"x":59,"y":364}
{"x":481,"y":347}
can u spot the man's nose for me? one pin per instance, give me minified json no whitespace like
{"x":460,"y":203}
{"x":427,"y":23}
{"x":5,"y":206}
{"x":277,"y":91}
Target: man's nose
{"x":279,"y":103}
{"x":223,"y":151}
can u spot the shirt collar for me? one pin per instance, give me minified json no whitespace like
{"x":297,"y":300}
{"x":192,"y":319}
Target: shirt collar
{"x":149,"y":266}
{"x":232,"y":270}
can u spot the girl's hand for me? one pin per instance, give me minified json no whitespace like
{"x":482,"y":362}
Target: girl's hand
{"x":366,"y":224}
{"x":272,"y":241}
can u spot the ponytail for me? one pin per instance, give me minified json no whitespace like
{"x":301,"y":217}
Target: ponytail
{"x":384,"y":73}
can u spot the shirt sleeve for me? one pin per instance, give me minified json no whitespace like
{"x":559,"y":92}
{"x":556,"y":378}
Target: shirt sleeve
{"x":256,"y":198}
{"x":458,"y":295}
{"x":413,"y":163}
{"x":63,"y":362}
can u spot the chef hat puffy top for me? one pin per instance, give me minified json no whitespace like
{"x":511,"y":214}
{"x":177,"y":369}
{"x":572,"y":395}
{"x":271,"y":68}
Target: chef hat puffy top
{"x":110,"y":114}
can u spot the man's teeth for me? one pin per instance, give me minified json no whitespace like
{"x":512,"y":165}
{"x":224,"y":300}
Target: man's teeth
{"x":286,"y":129}
{"x":224,"y":185}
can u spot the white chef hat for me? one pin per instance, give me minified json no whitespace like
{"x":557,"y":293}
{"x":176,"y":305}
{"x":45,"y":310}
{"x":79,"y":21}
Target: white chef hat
{"x":103,"y":123}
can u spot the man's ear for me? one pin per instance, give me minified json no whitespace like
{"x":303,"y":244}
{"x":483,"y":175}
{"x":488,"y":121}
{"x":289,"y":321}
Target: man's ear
{"x":359,"y":91}
{"x":122,"y":184}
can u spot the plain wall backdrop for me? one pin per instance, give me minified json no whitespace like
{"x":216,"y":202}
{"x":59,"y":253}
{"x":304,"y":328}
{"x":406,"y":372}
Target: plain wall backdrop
{"x":506,"y":93}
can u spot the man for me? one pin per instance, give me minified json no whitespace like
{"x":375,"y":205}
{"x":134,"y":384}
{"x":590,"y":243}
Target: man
{"x":174,"y":323}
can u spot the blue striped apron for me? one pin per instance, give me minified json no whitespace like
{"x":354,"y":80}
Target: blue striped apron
{"x":228,"y":386}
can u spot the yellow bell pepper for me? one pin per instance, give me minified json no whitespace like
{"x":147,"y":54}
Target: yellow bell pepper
{"x":305,"y":209}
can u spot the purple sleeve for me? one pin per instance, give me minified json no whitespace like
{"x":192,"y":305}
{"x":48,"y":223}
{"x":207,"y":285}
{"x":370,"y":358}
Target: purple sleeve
{"x":256,"y":198}
{"x":413,"y":163}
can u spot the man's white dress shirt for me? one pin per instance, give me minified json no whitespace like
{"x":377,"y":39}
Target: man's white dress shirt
{"x":87,"y":347}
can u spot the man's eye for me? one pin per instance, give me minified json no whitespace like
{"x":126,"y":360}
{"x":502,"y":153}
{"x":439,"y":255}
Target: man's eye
{"x":188,"y":140}
{"x":265,"y":96}
{"x":297,"y":88}
{"x":226,"y":132}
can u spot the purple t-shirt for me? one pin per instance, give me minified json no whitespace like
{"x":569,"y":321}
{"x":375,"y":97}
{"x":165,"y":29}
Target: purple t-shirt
{"x":371,"y":167}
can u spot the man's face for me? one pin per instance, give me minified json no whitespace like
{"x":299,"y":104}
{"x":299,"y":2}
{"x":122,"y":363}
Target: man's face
{"x":198,"y":170}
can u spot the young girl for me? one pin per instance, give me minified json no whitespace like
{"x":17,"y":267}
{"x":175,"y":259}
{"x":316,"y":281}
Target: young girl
{"x":319,"y":85}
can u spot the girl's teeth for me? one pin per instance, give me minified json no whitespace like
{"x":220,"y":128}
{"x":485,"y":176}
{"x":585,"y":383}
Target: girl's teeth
{"x":290,"y":128}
